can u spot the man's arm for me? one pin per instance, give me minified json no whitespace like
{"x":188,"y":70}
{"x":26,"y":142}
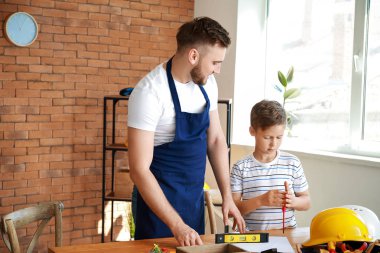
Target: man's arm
{"x":140,"y":151}
{"x":218,"y":156}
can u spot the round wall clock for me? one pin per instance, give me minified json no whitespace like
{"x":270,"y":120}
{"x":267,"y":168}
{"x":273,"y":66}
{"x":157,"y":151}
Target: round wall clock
{"x":21,"y":29}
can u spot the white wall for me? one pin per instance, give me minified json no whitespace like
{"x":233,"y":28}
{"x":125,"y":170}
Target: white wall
{"x":250,"y":65}
{"x":223,"y":11}
{"x":245,"y":60}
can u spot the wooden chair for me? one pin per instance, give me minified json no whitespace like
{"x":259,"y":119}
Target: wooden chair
{"x":214,"y":212}
{"x":211,"y":212}
{"x":42,"y":212}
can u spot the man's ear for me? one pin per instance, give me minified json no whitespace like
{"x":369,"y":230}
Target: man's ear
{"x":252,"y":131}
{"x":193,"y":56}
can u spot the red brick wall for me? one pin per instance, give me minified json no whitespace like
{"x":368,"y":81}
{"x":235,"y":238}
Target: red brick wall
{"x":51,"y":98}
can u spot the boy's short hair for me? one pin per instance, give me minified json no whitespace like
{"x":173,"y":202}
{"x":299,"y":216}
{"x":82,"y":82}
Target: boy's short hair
{"x":202,"y":31}
{"x":267,"y":113}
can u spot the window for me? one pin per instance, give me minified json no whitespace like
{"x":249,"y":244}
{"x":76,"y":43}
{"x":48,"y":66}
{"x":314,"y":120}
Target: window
{"x":334,"y":47}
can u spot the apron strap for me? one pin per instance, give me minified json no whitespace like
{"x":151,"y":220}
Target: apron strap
{"x":173,"y":91}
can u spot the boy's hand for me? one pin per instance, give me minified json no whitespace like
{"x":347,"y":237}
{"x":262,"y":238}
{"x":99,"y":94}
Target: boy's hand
{"x":273,"y":198}
{"x":290,"y":199}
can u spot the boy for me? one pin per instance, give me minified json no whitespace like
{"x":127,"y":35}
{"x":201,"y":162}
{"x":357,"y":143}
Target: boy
{"x":258,"y":180}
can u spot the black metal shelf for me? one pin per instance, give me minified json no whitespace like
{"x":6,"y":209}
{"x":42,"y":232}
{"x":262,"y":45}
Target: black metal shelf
{"x":112,"y":147}
{"x":114,"y":196}
{"x":117,"y":147}
{"x":228,"y":103}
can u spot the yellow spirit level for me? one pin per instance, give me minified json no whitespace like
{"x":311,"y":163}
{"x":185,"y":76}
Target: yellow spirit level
{"x":244,"y":237}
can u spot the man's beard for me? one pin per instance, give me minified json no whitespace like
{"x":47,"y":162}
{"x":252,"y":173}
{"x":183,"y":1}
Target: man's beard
{"x":197,"y":76}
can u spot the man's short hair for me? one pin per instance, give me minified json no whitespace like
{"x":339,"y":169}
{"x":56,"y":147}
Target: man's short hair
{"x":267,"y":113}
{"x":202,"y":31}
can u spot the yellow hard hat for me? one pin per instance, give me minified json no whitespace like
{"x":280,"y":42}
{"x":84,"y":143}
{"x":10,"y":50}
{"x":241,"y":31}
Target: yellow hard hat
{"x":336,"y":225}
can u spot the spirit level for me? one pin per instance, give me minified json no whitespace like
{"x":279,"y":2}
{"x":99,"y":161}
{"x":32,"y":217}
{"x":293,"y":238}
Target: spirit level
{"x":245,"y":237}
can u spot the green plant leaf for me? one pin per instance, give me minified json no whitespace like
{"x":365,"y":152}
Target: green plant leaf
{"x":289,"y":76}
{"x":282,"y":79}
{"x":131,"y":224}
{"x":292,"y":93}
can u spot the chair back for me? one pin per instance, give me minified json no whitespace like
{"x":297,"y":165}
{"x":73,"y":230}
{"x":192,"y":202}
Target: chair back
{"x":211,"y":212}
{"x":42,"y":213}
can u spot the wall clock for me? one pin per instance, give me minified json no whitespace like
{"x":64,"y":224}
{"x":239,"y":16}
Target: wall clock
{"x":21,"y":29}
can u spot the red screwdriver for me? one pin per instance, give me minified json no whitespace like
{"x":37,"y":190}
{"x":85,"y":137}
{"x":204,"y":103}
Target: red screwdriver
{"x":284,"y":207}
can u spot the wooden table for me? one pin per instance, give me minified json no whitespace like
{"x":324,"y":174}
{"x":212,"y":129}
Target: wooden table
{"x":294,"y":236}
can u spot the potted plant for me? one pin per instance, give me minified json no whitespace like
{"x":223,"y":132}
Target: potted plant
{"x":289,"y":93}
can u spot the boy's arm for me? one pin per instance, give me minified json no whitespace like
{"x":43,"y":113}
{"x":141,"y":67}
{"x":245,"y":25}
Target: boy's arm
{"x":299,"y":201}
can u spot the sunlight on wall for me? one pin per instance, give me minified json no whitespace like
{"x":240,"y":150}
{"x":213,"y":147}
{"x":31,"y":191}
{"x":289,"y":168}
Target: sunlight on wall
{"x":121,"y":231}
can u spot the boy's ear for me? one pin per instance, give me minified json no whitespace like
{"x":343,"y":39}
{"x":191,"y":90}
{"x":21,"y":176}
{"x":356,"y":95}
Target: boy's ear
{"x":252,"y":131}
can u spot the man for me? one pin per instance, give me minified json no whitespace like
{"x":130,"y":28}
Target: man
{"x":173,"y":124}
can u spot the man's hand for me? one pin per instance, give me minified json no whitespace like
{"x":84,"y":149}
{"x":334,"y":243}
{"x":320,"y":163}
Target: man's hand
{"x":185,"y":235}
{"x":230,"y":210}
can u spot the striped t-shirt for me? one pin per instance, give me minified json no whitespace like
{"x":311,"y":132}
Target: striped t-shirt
{"x":252,"y":178}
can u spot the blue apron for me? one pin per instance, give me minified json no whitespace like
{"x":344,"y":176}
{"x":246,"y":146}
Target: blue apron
{"x":179,"y":167}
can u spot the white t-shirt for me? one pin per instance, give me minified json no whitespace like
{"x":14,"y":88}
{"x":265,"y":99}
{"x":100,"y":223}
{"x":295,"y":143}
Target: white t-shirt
{"x":252,"y":178}
{"x":151,"y":108}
